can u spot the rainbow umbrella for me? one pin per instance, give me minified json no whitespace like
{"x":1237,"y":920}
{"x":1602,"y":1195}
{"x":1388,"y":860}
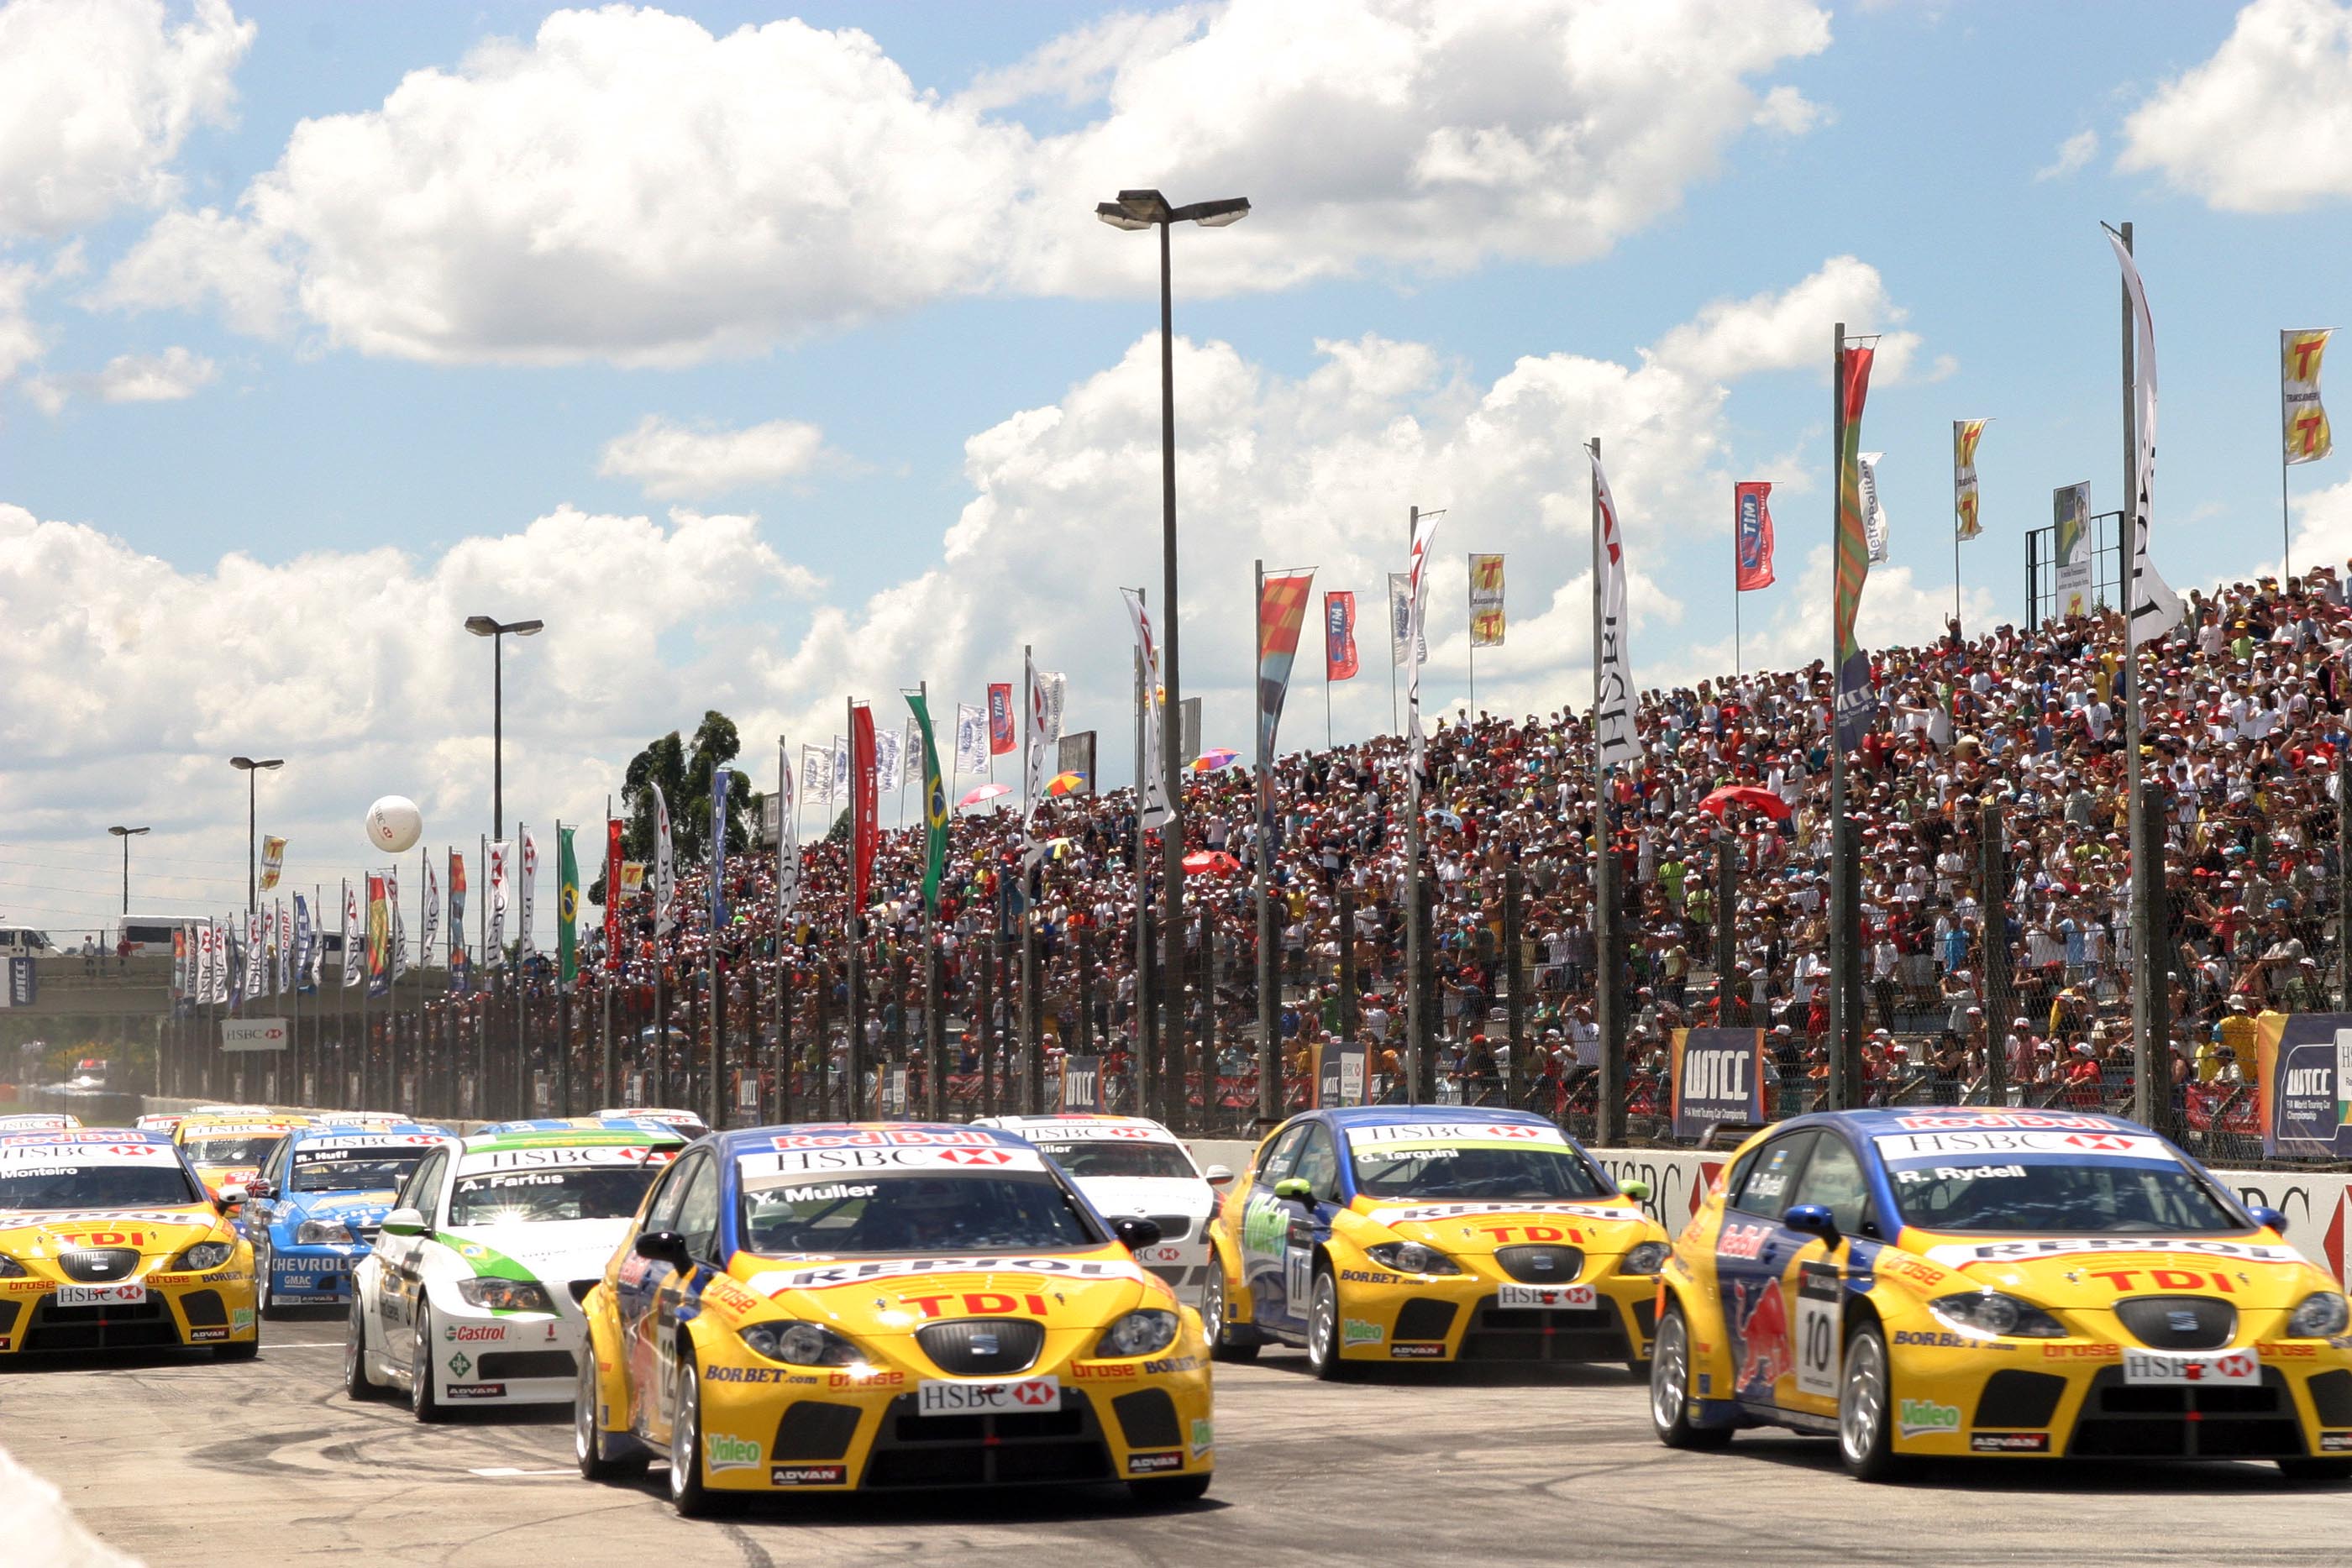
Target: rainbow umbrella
{"x":1210,"y":762}
{"x":985,"y":792}
{"x":1066,"y":784}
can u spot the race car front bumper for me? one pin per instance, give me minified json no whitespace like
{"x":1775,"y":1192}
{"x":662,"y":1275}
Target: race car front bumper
{"x":156,"y":1312}
{"x":503,"y":1358}
{"x":318,"y":1274}
{"x":1483,"y":1317}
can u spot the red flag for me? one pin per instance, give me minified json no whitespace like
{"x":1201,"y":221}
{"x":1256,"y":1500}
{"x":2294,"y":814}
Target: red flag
{"x":999,"y":717}
{"x":1339,"y":636}
{"x":1751,"y":533}
{"x":612,"y":893}
{"x":865,"y":824}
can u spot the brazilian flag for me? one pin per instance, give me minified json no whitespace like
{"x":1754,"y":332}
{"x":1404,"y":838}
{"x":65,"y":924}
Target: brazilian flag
{"x":935,"y":805}
{"x":567,"y":905}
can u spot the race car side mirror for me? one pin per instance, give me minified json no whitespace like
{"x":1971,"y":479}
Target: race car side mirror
{"x":664,"y":1247}
{"x":231,"y":1195}
{"x":1639,"y":1191}
{"x":403,"y":1222}
{"x":1293,"y":1187}
{"x":1813,"y":1219}
{"x":257,"y":1190}
{"x":1135,"y":1230}
{"x":1218,"y":1176}
{"x":2271,"y":1218}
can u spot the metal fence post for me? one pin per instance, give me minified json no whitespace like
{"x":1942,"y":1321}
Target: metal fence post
{"x":1992,"y":895}
{"x":1514,"y":966}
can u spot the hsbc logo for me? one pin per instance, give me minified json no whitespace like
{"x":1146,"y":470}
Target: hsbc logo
{"x":1035,"y":1393}
{"x":975,"y":1157}
{"x":2107,"y":1144}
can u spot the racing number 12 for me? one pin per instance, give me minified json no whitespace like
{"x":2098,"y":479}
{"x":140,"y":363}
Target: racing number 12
{"x":1817,"y":1330}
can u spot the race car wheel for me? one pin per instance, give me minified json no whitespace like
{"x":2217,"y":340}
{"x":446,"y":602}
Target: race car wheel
{"x":357,"y":1381}
{"x":687,"y":1493}
{"x":263,"y":1306}
{"x":590,"y":1443}
{"x":1670,"y":1380}
{"x":1213,"y":1319}
{"x":1323,"y":1328}
{"x":421,"y":1402}
{"x":2316,"y":1469}
{"x":1867,"y":1406}
{"x":1169,"y":1491}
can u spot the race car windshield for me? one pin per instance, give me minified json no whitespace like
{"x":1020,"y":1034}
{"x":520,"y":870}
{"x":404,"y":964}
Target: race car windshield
{"x":2103,"y":1198}
{"x":1002,"y":1211}
{"x":68,"y":1186}
{"x":1448,"y":1171}
{"x":238,"y":1151}
{"x":356,"y":1170}
{"x":1115,"y":1157}
{"x":509,"y":1197}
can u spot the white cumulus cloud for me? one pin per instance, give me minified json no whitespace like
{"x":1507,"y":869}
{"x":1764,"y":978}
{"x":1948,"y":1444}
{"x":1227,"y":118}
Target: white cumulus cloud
{"x":2075,"y":154}
{"x":176,"y":373}
{"x":669,"y":460}
{"x":1790,"y":328}
{"x":2264,"y":125}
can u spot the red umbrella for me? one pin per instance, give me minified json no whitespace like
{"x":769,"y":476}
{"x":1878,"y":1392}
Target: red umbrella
{"x":1202,"y":862}
{"x":1747,"y":795}
{"x":985,"y":792}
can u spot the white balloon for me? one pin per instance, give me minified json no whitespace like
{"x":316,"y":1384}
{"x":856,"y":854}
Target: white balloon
{"x":394,"y":824}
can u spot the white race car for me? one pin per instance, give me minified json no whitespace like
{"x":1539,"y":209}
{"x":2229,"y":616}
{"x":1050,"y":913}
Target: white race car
{"x":472,"y":1292}
{"x":1127,"y":1165}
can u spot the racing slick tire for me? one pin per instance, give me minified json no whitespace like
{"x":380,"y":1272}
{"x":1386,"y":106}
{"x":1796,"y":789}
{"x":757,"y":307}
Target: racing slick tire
{"x":1323,"y":1329}
{"x":2328,"y":1470}
{"x":357,"y":1382}
{"x":1670,"y":1389}
{"x":421,"y":1402}
{"x":687,"y":1493}
{"x":590,"y":1443}
{"x":1213,"y":1319}
{"x":1169,"y":1491}
{"x":1865,"y":1433}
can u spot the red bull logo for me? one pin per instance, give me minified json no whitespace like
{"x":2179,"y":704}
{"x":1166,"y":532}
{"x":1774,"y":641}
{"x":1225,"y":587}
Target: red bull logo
{"x":1764,"y":1354}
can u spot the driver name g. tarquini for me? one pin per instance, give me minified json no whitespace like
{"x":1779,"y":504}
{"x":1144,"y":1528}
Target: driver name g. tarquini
{"x":1130,"y":1166}
{"x":2002,"y":1283}
{"x":1432,"y":1233}
{"x":312,"y":1212}
{"x":471,"y":1294}
{"x":900,"y":1307}
{"x":109,"y":1242}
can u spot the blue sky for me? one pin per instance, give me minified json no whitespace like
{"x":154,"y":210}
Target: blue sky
{"x":1924,"y":142}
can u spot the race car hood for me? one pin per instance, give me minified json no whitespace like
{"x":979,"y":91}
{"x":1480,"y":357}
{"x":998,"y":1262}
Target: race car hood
{"x":2255,"y":1272}
{"x":1115,"y":1195}
{"x":158,"y":1234}
{"x":1476,"y":1229}
{"x":556,"y":1250}
{"x":350,"y":1208}
{"x":897,"y":1295}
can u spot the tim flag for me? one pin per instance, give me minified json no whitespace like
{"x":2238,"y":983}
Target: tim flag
{"x":1153,"y":785}
{"x":1486,"y":602}
{"x":1853,"y":692}
{"x":458,"y":960}
{"x":1281,"y":615}
{"x":2306,"y":434}
{"x":1414,"y":640}
{"x":1751,"y":535}
{"x":1612,"y":670}
{"x":1966,"y":433}
{"x":1340,"y":636}
{"x":999,"y":717}
{"x":2154,"y":608}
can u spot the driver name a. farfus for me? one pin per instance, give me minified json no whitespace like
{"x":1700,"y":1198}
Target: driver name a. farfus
{"x":817,"y":1279}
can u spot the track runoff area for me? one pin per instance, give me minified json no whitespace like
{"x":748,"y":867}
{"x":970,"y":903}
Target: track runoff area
{"x":179,"y":1460}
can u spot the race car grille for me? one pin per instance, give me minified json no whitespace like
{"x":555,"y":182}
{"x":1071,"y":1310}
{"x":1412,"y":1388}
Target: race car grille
{"x":507,"y":1366}
{"x":2204,"y":1421}
{"x":203,"y":1309}
{"x":914,"y":1451}
{"x":1564,"y":1333}
{"x":1172,"y":1226}
{"x":100,"y":1265}
{"x":983,"y":1347}
{"x":2331,"y":1395}
{"x":2014,"y":1399}
{"x":136,"y":1325}
{"x":1148,"y":1416}
{"x":812,"y":1429}
{"x":1422,"y":1320}
{"x":1541,"y":1265}
{"x":2179,"y":1322}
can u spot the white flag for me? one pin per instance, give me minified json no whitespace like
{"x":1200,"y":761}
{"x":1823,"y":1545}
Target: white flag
{"x":432,"y":923}
{"x":971,"y":739}
{"x":1424,"y":528}
{"x":1400,"y":619}
{"x":500,"y":850}
{"x":1032,"y":794}
{"x":840,"y":793}
{"x":2154,"y":608}
{"x":257,"y":954}
{"x":1874,"y":510}
{"x":523,"y":902}
{"x":1612,"y":672}
{"x":788,"y":838}
{"x":665,"y":869}
{"x":1152,"y":790}
{"x":282,"y":933}
{"x":816,"y":776}
{"x":889,"y":759}
{"x":354,"y":940}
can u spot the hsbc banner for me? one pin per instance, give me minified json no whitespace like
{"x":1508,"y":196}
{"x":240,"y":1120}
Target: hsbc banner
{"x":1718,"y":1078}
{"x":254,"y":1034}
{"x":2305,"y":1084}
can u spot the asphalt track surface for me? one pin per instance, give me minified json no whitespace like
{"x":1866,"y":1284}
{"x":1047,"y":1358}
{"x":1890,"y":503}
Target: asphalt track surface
{"x":180,"y":1461}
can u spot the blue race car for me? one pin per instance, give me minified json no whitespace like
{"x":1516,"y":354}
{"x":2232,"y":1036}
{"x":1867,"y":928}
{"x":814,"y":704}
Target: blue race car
{"x":313,"y":1211}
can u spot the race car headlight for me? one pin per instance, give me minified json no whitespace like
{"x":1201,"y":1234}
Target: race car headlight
{"x":2320,"y":1314}
{"x":505,"y":1295}
{"x":1646,"y":1259}
{"x":801,"y":1345}
{"x":1412,"y":1257}
{"x":1991,"y":1312}
{"x":1144,"y":1332}
{"x":202,"y":1256}
{"x":320,"y":1232}
{"x":10,"y":1269}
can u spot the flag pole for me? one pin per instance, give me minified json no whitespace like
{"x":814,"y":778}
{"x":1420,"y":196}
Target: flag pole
{"x":1608,"y":1086}
{"x":1141,"y":1072}
{"x":2286,"y":543}
{"x":1269,"y":1044}
{"x":1326,"y":674}
{"x":1470,"y":657}
{"x":2147,"y":965}
{"x":424,"y":956}
{"x":1956,"y":532}
{"x":1841,"y":868}
{"x":1735,"y":584}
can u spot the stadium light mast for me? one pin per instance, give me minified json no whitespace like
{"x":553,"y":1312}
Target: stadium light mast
{"x":252,"y":769}
{"x":497,"y":631}
{"x":126,"y":835}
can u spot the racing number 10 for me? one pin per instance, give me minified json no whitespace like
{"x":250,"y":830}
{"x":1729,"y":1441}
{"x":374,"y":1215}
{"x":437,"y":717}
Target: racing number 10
{"x":1817,"y":1330}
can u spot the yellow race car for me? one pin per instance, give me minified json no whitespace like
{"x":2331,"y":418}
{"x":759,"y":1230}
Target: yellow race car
{"x":1426,"y":1233}
{"x":2011,"y":1282}
{"x":229,"y":1150}
{"x":109,"y":1242}
{"x":879,"y":1307}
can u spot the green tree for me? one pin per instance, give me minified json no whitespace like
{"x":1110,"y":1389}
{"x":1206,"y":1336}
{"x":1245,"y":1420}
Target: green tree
{"x":683,"y":769}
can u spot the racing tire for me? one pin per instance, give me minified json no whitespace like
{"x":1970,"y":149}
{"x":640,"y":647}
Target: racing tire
{"x":687,"y":1493}
{"x":1213,"y":1319}
{"x":358,"y":1383}
{"x":421,"y":1402}
{"x":1865,"y":1435}
{"x":590,"y":1443}
{"x":1323,"y":1358}
{"x":1670,"y":1380}
{"x":1169,"y":1491}
{"x":2328,"y":1470}
{"x":264,"y":1304}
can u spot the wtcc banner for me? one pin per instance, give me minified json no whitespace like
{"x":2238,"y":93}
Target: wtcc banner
{"x":2303,"y":1087}
{"x":1082,"y":1085}
{"x":1718,"y":1078}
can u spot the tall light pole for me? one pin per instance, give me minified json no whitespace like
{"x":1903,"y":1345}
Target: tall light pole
{"x":126,"y":835}
{"x":496,"y":631}
{"x":251,"y":769}
{"x":1145,"y":210}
